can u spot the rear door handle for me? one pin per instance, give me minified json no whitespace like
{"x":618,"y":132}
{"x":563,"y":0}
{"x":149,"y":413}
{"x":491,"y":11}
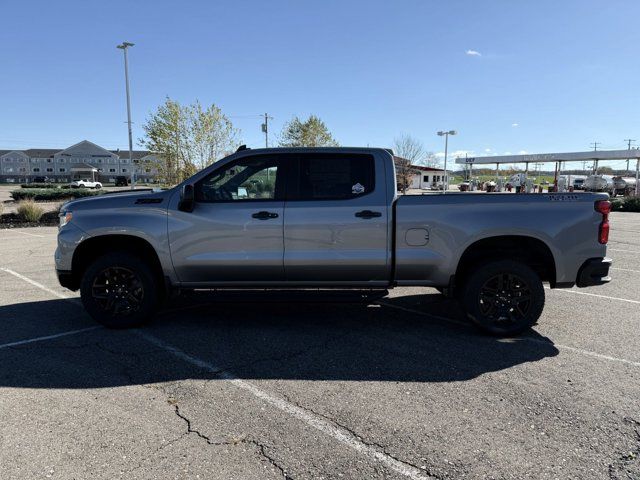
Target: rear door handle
{"x":368,"y":214}
{"x":264,"y":215}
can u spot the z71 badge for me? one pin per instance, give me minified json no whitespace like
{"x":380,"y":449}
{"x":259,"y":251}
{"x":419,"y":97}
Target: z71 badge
{"x":563,"y":198}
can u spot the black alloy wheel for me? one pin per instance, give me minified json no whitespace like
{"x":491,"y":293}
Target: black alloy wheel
{"x":118,"y":291}
{"x":503,"y":297}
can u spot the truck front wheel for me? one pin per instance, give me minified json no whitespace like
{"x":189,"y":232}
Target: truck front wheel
{"x":503,"y":297}
{"x":119,"y":290}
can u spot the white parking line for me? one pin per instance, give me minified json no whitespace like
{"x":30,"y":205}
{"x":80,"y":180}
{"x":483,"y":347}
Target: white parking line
{"x":587,"y":352}
{"x":48,"y":337}
{"x":29,"y":234}
{"x":595,"y":295}
{"x":412,"y":310}
{"x":316,"y":421}
{"x":71,"y":300}
{"x":39,"y":285}
{"x":625,"y":269}
{"x":535,"y":340}
{"x":622,"y":250}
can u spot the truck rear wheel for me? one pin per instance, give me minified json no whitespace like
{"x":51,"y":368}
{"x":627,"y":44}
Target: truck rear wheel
{"x":119,"y":290}
{"x":504,"y":297}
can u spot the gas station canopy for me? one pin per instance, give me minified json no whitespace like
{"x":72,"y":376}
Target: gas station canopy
{"x":552,"y":157}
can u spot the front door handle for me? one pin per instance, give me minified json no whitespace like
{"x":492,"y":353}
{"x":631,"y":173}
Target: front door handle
{"x":368,"y":214}
{"x":264,"y":215}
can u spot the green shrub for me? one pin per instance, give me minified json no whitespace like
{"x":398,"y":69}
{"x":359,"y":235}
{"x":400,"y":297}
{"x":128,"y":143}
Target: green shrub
{"x":50,"y":194}
{"x":38,"y":185}
{"x":616,"y":204}
{"x":30,"y":210}
{"x":631,"y":204}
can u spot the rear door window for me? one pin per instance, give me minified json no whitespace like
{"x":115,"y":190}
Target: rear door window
{"x":332,"y":177}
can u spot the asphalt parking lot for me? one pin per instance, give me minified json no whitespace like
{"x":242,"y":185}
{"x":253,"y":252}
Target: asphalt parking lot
{"x":403,"y":388}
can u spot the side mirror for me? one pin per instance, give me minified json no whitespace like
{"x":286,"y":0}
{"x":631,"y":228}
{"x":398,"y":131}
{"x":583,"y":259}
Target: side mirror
{"x":187,"y":198}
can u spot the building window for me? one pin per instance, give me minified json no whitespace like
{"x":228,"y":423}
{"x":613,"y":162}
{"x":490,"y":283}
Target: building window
{"x":124,"y":170}
{"x":49,"y":169}
{"x":48,"y":160}
{"x":425,"y":178}
{"x":36,"y":169}
{"x":61,"y":160}
{"x":62,"y":169}
{"x":112,"y":169}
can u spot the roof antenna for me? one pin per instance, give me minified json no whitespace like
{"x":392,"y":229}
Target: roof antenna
{"x":241,"y":148}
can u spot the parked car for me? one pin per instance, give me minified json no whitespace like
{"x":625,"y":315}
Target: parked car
{"x":85,"y":183}
{"x":328,"y":218}
{"x":122,"y":181}
{"x":464,"y":186}
{"x":41,"y":180}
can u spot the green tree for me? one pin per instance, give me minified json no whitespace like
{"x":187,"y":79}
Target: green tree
{"x":186,"y":139}
{"x":310,"y":133}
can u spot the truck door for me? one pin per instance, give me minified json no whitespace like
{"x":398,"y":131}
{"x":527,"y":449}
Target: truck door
{"x":234,"y":233}
{"x":336,"y":220}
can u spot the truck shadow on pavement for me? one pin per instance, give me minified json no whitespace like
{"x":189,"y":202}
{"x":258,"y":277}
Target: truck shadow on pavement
{"x":281,"y":341}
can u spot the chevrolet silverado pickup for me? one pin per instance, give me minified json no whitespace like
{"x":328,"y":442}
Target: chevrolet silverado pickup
{"x":328,"y":218}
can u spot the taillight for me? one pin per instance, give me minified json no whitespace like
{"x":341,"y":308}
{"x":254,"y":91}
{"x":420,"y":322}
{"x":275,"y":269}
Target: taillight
{"x":603,"y":233}
{"x":603,"y":207}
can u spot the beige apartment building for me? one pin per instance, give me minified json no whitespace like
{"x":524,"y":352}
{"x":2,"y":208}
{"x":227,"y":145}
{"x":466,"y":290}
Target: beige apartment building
{"x":82,"y":160}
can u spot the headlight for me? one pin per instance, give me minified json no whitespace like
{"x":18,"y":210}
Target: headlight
{"x":65,"y":217}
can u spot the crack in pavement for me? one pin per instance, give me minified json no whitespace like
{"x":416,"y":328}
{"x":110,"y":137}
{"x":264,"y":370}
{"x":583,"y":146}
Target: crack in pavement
{"x":621,"y":467}
{"x":379,"y":446}
{"x":236,"y":441}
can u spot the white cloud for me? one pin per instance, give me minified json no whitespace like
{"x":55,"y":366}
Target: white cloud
{"x":514,"y":125}
{"x":522,"y":152}
{"x":506,"y":153}
{"x":473,"y":53}
{"x":487,"y":150}
{"x":455,"y":154}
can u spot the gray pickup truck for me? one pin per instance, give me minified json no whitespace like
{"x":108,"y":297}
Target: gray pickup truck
{"x":328,"y":218}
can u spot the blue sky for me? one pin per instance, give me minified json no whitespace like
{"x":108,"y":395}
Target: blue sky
{"x":548,"y":75}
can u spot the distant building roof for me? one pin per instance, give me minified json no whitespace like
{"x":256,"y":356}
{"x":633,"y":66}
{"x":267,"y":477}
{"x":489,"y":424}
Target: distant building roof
{"x":50,"y":152}
{"x":136,"y":154}
{"x":403,"y":162}
{"x":41,"y":152}
{"x":427,"y":169}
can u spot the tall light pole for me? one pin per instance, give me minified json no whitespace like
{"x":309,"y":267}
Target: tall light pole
{"x":445,"y":183}
{"x":124,"y":46}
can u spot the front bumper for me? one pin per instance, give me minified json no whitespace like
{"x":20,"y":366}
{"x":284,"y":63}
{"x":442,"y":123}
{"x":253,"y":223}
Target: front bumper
{"x":594,"y":271}
{"x":67,"y":279}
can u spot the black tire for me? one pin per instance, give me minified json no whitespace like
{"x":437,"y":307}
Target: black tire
{"x":119,"y":290}
{"x":504,"y":297}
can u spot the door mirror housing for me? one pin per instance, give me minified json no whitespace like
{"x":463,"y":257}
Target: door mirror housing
{"x":187,"y":198}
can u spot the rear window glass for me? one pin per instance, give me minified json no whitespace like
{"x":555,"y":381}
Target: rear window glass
{"x":334,"y":177}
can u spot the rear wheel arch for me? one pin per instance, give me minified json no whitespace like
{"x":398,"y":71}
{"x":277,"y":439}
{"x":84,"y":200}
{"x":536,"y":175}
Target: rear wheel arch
{"x":94,"y":247}
{"x":530,"y":251}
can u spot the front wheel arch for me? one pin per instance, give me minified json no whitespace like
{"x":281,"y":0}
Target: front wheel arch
{"x":94,"y":247}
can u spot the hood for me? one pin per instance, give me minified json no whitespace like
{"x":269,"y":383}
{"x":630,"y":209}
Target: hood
{"x":119,"y":200}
